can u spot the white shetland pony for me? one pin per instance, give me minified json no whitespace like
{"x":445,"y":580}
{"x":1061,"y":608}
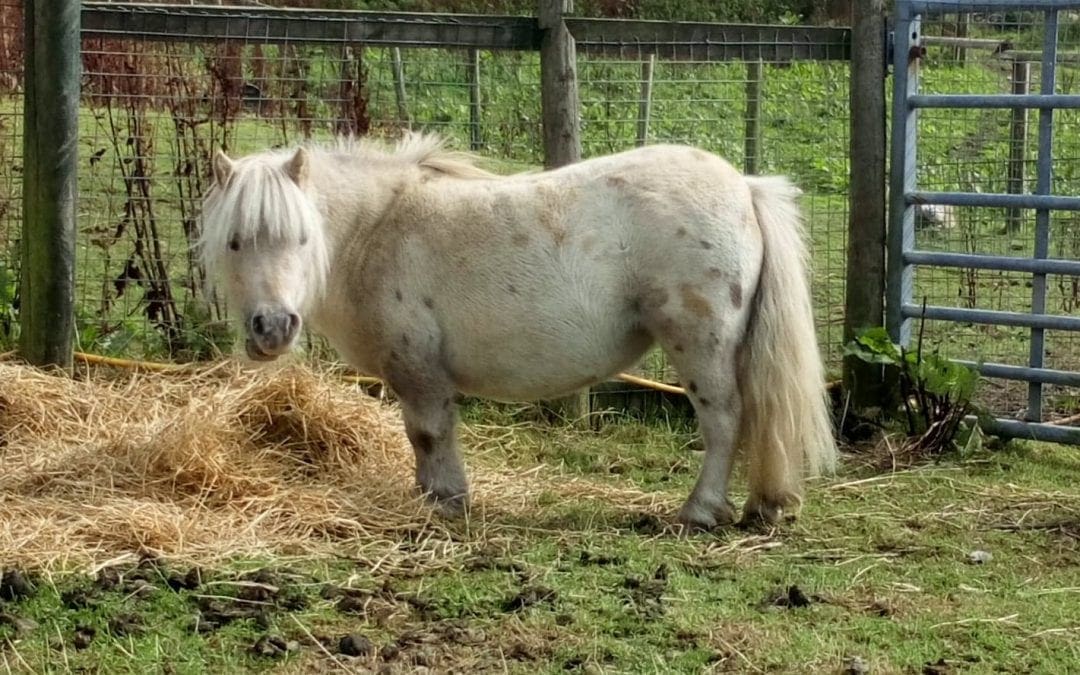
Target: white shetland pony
{"x":444,"y":279}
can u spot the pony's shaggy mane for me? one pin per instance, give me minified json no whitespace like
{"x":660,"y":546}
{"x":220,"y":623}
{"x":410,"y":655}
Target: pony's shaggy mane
{"x":427,"y":151}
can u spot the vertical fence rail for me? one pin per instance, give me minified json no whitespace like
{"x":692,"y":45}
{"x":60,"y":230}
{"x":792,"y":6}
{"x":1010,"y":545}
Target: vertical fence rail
{"x":865,"y":288}
{"x":472,"y":79}
{"x":399,"y":85}
{"x":648,"y":66}
{"x":1021,"y":79}
{"x":559,"y":91}
{"x":561,"y":121}
{"x":900,"y":278}
{"x":755,"y":71}
{"x":1043,"y":186}
{"x":50,"y":181}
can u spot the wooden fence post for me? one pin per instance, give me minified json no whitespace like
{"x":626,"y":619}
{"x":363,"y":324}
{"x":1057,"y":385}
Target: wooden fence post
{"x":864,"y":301}
{"x":752,"y":118}
{"x":559,"y":89}
{"x":561,"y":109}
{"x":1021,"y":78}
{"x":963,"y":23}
{"x":50,"y":180}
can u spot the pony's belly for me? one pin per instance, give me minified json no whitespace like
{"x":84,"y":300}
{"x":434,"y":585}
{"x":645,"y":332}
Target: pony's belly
{"x":532,"y":374}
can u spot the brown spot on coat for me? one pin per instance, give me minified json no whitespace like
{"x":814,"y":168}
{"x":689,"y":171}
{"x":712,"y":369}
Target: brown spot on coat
{"x":429,"y":303}
{"x":398,"y":295}
{"x":715,"y":273}
{"x":681,"y":232}
{"x":692,"y":387}
{"x":550,"y":217}
{"x":405,"y":339}
{"x":704,"y":402}
{"x":617,"y":181}
{"x":705,"y":245}
{"x":520,"y":239}
{"x":695,"y":302}
{"x":736,"y":295}
{"x":679,"y":348}
{"x":512,"y":288}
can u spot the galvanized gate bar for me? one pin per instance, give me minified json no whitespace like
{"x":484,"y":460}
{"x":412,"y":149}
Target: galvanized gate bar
{"x":993,"y":262}
{"x":993,"y":317}
{"x":1027,"y":430}
{"x":993,"y":199}
{"x":981,"y":101}
{"x":1065,"y":378}
{"x":941,"y":6}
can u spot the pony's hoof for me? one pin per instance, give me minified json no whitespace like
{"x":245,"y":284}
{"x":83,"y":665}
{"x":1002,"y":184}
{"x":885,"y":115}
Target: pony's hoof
{"x":763,"y":516}
{"x":695,"y":519}
{"x":450,"y":505}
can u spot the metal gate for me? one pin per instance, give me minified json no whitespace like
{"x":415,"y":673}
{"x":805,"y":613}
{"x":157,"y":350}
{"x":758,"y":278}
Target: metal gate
{"x":909,"y":255}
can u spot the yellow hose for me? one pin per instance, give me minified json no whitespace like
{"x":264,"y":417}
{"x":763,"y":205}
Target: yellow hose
{"x":652,"y":384}
{"x":98,"y":360}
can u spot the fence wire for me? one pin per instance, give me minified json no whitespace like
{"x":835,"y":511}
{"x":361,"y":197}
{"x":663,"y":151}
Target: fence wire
{"x":995,"y":151}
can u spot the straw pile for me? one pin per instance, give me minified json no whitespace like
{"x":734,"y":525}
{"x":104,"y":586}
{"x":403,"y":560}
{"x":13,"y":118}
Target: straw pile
{"x":195,"y":466}
{"x":205,"y":464}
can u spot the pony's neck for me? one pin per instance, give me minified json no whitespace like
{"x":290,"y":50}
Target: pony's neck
{"x":353,"y":198}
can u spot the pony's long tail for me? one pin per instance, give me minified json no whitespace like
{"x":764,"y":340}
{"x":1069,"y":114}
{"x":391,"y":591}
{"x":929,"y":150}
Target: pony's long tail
{"x":786,"y":431}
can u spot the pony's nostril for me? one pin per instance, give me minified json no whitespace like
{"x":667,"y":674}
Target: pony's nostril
{"x":258,"y":324}
{"x":294,"y":322}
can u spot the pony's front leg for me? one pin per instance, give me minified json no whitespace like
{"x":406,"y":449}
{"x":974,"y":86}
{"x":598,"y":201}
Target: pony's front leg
{"x":431,"y":423}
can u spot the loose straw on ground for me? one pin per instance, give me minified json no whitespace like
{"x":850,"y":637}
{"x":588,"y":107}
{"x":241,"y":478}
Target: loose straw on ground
{"x":211,"y":462}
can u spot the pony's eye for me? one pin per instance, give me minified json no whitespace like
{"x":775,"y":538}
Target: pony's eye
{"x":234,"y":244}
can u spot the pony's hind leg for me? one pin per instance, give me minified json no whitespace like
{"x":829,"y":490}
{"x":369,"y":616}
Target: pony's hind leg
{"x":711,"y":385}
{"x":706,"y":368}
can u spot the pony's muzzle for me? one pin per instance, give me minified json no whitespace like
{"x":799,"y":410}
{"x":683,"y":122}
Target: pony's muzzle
{"x":271,"y":333}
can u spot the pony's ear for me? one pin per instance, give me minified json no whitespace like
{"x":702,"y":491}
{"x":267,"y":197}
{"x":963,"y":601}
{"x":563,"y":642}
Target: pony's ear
{"x":223,"y":167}
{"x":298,"y":167}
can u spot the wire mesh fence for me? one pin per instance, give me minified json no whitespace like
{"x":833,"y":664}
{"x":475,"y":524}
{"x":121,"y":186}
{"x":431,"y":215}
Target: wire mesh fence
{"x":162,"y":89}
{"x":994,"y":151}
{"x":11,"y":77}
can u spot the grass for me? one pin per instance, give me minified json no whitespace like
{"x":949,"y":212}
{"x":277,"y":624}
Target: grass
{"x":877,"y":566}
